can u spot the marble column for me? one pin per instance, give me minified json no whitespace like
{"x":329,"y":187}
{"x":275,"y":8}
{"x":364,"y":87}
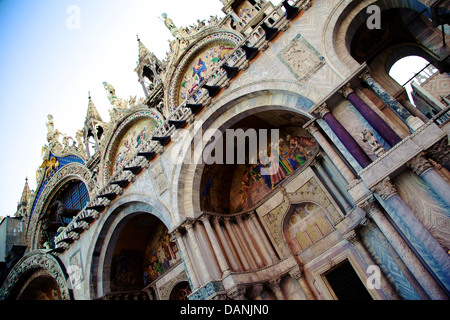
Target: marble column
{"x":187,"y":260}
{"x":411,"y":261}
{"x":404,"y":100}
{"x":426,"y":246}
{"x":249,"y":238}
{"x":266,"y":242}
{"x":412,"y":122}
{"x":274,"y":285}
{"x":245,"y":245}
{"x":235,"y":264}
{"x":197,"y":253}
{"x":298,"y":274}
{"x":424,"y":169}
{"x":329,"y":150}
{"x":330,"y":184}
{"x":354,"y":238}
{"x":224,"y":268}
{"x":236,"y":244}
{"x":344,"y":136}
{"x":371,"y":116}
{"x":259,"y":241}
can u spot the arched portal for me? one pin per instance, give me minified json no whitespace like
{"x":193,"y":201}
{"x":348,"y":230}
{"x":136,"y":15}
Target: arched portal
{"x":40,"y":286}
{"x":37,"y":276}
{"x":180,"y":291}
{"x":305,"y":224}
{"x":133,"y":251}
{"x":259,"y":152}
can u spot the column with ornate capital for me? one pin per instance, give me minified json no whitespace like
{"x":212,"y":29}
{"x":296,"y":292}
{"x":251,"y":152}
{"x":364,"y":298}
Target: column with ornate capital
{"x":245,"y":243}
{"x":411,"y":261}
{"x":274,"y":285}
{"x":329,"y":150}
{"x":424,"y":169}
{"x":236,"y":244}
{"x":298,"y":274}
{"x":224,"y":268}
{"x":412,"y":122}
{"x":265,"y":255}
{"x":421,"y":240}
{"x":197,"y":253}
{"x":354,"y":238}
{"x":231,"y":254}
{"x":249,"y":237}
{"x":371,"y":116}
{"x":265,"y":240}
{"x":187,"y":260}
{"x":344,"y":136}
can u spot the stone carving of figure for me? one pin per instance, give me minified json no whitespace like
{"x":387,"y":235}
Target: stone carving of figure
{"x":52,"y":135}
{"x":111,"y":92}
{"x":80,"y":146}
{"x":171,"y":26}
{"x":368,"y":137}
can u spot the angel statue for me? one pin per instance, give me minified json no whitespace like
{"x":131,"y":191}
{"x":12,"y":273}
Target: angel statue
{"x":111,"y":92}
{"x":171,"y":26}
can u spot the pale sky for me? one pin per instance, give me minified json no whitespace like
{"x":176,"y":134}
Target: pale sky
{"x":48,"y":67}
{"x":49,"y":60}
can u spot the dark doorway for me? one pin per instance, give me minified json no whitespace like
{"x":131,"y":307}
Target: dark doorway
{"x":346,"y":284}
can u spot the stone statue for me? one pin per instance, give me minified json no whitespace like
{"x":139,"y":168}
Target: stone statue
{"x":171,"y":26}
{"x":111,"y":93}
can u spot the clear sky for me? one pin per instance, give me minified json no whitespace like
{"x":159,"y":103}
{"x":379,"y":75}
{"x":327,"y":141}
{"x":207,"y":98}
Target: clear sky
{"x":49,"y":62}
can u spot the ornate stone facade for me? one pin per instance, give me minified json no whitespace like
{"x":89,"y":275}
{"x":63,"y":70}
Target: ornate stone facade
{"x":134,"y":209}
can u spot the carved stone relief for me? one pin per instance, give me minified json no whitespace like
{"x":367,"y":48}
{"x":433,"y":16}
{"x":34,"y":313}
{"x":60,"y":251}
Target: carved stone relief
{"x":301,"y":58}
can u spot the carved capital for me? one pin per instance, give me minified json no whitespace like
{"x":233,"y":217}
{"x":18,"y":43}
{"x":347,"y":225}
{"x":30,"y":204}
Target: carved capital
{"x":312,"y":128}
{"x":419,"y":164}
{"x":237,"y":293}
{"x":385,"y":189}
{"x":297,"y":273}
{"x":365,"y":76}
{"x":346,"y":90}
{"x":322,"y":110}
{"x":352,"y":236}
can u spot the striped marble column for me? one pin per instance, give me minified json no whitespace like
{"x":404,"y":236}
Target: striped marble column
{"x":224,"y":268}
{"x":197,"y":253}
{"x":344,"y":136}
{"x":187,"y":260}
{"x":424,"y":169}
{"x":371,"y":116}
{"x":421,"y":240}
{"x":412,"y":122}
{"x":234,"y":262}
{"x":329,"y":150}
{"x":406,"y":254}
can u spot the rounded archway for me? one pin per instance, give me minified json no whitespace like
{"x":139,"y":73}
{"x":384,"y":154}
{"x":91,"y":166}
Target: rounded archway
{"x":40,"y":286}
{"x":305,"y":224}
{"x":65,"y":204}
{"x":137,"y":251}
{"x":37,"y":276}
{"x":259,"y":151}
{"x":180,"y":291}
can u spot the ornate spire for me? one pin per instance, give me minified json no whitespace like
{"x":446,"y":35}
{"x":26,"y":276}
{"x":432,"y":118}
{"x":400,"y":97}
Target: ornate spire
{"x":92,"y":112}
{"x":24,"y":199}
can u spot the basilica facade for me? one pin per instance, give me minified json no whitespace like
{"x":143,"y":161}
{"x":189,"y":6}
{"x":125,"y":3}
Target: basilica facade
{"x":349,"y":199}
